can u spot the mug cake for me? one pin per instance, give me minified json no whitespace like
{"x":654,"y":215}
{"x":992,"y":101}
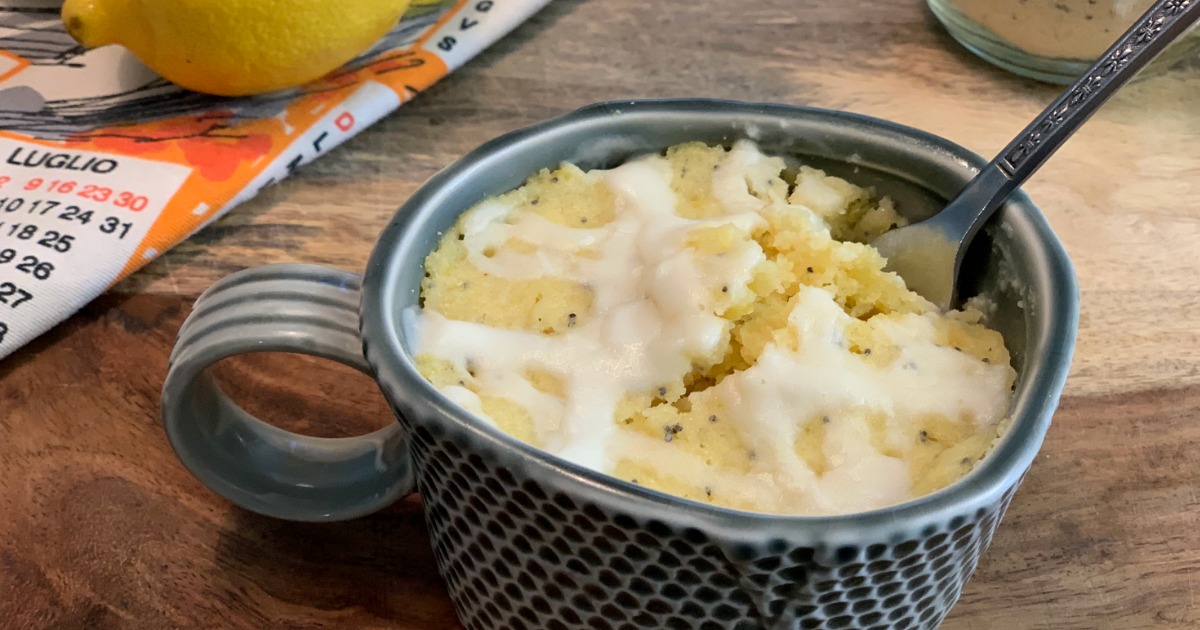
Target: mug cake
{"x":710,"y":322}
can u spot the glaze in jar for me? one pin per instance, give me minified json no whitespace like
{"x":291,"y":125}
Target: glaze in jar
{"x":1049,"y":40}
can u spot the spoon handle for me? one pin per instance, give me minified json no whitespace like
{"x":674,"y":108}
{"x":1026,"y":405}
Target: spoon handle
{"x":1160,"y":25}
{"x":1157,"y":28}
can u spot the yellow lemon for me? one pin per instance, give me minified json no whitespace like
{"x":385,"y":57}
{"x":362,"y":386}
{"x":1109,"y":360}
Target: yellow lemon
{"x":235,"y":47}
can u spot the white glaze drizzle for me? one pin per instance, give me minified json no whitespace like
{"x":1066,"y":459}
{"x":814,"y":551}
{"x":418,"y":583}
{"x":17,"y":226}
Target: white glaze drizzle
{"x":656,"y":309}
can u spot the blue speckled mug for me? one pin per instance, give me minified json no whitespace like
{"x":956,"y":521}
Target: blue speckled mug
{"x":526,"y":540}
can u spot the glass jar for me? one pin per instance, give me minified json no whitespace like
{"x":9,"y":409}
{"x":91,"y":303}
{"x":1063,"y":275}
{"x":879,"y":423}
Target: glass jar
{"x":1049,"y":40}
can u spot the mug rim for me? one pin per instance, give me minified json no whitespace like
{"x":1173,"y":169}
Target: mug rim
{"x":381,"y":316}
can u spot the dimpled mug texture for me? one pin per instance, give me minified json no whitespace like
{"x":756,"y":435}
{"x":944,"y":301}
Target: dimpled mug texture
{"x":525,"y":540}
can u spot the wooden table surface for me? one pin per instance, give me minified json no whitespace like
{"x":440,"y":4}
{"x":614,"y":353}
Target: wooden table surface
{"x":101,"y":527}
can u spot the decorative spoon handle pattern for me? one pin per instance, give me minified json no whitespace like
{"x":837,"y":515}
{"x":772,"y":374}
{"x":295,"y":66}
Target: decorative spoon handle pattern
{"x":1165,"y":21}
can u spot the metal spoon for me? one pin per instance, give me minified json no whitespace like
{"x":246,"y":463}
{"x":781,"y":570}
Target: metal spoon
{"x":928,"y":254}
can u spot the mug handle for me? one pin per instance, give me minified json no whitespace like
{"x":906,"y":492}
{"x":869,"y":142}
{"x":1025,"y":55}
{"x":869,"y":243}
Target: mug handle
{"x":299,"y":308}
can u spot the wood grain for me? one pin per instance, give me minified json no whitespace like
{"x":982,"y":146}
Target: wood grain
{"x":102,"y":527}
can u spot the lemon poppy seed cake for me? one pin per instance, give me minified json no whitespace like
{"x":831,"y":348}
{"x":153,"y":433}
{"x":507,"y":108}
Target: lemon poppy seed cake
{"x":707,"y":322}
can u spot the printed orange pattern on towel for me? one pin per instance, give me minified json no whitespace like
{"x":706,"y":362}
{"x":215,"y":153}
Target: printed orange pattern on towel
{"x":185,"y":158}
